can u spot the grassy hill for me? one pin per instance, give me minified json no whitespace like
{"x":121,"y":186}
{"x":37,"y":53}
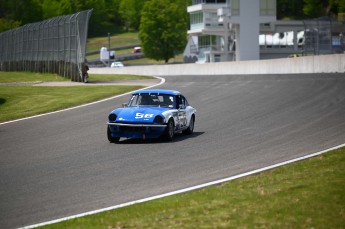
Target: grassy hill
{"x":123,"y":44}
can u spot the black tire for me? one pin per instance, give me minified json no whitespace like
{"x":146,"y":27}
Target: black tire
{"x":169,"y":131}
{"x":111,"y":138}
{"x":190,"y":128}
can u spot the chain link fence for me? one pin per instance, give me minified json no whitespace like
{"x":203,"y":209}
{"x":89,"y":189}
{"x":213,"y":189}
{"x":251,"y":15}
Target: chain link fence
{"x":56,"y":45}
{"x":324,"y":36}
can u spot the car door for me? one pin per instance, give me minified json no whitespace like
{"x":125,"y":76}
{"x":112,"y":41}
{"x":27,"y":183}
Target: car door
{"x":181,"y":111}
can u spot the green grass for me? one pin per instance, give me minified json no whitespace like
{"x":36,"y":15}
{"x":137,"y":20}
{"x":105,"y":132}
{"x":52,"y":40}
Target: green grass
{"x":119,"y":40}
{"x":119,"y":52}
{"x":177,"y":59}
{"x":24,"y":101}
{"x":306,"y":194}
{"x":28,"y":77}
{"x":109,"y":77}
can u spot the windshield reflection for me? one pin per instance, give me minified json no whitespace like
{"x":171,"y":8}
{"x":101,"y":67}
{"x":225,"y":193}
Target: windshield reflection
{"x":158,"y":100}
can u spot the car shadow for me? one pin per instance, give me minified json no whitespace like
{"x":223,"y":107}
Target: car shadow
{"x":177,"y":138}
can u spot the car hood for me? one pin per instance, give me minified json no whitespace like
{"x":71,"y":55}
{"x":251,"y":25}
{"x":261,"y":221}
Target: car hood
{"x":138,"y":114}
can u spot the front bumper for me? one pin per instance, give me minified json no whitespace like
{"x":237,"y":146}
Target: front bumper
{"x":144,"y":131}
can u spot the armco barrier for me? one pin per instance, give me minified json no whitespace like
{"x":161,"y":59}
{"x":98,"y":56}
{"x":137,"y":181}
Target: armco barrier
{"x":309,"y":64}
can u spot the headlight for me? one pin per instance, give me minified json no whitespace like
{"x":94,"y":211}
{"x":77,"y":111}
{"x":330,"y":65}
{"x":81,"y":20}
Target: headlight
{"x":158,"y":119}
{"x":112,"y":118}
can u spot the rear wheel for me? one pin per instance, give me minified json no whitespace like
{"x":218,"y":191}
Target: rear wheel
{"x":111,"y":138}
{"x":169,"y":132}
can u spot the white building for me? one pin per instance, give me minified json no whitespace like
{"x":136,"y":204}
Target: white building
{"x":235,"y":30}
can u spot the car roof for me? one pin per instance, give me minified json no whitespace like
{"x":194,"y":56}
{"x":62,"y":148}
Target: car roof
{"x":157,"y":91}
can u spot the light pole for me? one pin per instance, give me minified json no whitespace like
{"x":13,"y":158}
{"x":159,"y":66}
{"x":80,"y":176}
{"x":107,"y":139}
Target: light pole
{"x":109,"y":50}
{"x":341,"y":38}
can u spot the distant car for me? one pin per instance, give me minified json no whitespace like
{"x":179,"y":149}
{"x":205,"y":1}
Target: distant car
{"x":116,"y":65}
{"x":136,"y":49}
{"x":152,"y":114}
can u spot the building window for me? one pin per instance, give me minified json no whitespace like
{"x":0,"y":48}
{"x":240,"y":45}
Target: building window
{"x":211,"y":20}
{"x":267,"y":7}
{"x":211,"y":43}
{"x":196,"y":20}
{"x":235,"y":7}
{"x":217,"y":58}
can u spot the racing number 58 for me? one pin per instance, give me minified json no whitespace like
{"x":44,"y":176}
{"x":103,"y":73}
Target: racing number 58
{"x":141,"y":115}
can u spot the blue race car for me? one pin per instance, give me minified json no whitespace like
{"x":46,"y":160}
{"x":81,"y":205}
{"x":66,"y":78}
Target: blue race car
{"x":151,"y":114}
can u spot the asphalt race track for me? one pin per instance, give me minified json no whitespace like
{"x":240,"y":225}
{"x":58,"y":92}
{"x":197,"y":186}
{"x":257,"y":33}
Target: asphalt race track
{"x":62,"y":164}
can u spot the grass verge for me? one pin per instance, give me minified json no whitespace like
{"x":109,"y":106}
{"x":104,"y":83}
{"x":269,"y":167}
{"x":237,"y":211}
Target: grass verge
{"x":24,"y":101}
{"x":306,"y":194}
{"x":29,"y":77}
{"x":33,"y":77}
{"x":109,"y":77}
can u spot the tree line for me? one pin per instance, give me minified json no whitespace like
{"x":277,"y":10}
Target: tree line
{"x":119,"y":15}
{"x":307,"y":9}
{"x":162,"y":24}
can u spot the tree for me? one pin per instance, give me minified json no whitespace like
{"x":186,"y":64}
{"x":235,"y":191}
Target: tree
{"x":112,"y":7}
{"x":6,"y":24}
{"x":341,"y":6}
{"x":290,"y":9}
{"x":98,"y":19}
{"x":163,"y":29}
{"x":50,"y":8}
{"x":130,"y":11}
{"x":318,"y":8}
{"x":24,"y":11}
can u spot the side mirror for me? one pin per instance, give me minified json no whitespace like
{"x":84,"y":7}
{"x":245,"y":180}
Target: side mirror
{"x":124,"y":105}
{"x":180,"y":107}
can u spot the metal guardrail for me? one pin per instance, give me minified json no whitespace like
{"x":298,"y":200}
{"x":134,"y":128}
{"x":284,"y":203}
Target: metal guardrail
{"x":56,"y":45}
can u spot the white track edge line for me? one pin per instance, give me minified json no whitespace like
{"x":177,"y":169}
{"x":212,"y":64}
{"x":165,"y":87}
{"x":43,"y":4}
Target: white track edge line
{"x":186,"y":189}
{"x":84,"y":105}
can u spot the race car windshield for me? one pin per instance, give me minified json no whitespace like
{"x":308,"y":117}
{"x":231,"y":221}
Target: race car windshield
{"x":158,"y":100}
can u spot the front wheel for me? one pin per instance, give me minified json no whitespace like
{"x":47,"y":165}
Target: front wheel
{"x":190,"y":128}
{"x":169,"y":132}
{"x":111,"y":138}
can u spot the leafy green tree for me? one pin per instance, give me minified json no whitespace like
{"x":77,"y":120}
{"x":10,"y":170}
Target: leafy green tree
{"x":130,"y":11}
{"x":51,"y":8}
{"x":341,"y":8}
{"x":6,"y":24}
{"x":24,"y":11}
{"x":98,"y":19}
{"x":318,"y":8}
{"x":313,"y":8}
{"x":66,"y":7}
{"x":16,"y":13}
{"x":113,"y":15}
{"x":163,"y":29}
{"x":290,"y":9}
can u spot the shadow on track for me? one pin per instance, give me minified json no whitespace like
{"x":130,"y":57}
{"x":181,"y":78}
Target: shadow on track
{"x":177,"y":138}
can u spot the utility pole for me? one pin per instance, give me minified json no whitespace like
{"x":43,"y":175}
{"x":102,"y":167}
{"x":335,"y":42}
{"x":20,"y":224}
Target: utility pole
{"x":109,"y":50}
